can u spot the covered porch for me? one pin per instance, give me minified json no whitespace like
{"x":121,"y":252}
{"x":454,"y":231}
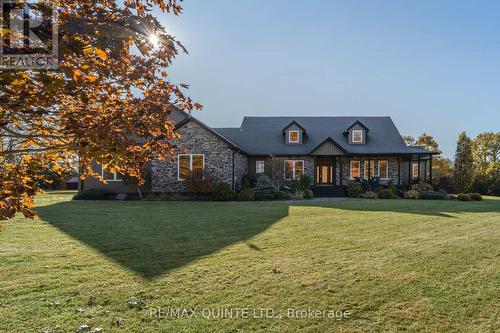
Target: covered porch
{"x":332,"y":173}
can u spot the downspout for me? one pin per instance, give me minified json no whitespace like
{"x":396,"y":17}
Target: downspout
{"x":232,"y":175}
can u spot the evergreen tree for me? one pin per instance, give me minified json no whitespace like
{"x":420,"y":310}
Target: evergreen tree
{"x":464,"y":164}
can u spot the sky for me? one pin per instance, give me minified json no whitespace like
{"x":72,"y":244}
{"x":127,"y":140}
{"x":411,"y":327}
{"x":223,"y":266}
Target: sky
{"x":433,"y":66}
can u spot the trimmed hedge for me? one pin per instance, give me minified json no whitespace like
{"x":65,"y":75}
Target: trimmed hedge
{"x":463,"y":197}
{"x":387,"y":193}
{"x":475,"y":196}
{"x":433,"y":195}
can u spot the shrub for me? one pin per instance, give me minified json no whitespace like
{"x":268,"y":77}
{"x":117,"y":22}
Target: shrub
{"x":433,"y":195}
{"x":421,"y":187}
{"x":411,"y":194}
{"x":445,"y":183}
{"x":264,"y":181}
{"x":494,"y":188}
{"x":93,"y":194}
{"x":298,"y":195}
{"x":387,"y":193}
{"x":463,"y":197}
{"x":280,"y":195}
{"x":475,"y":196}
{"x":481,"y":184}
{"x":198,"y":183}
{"x":304,"y":183}
{"x":246,"y":195}
{"x":223,"y":192}
{"x":370,"y":195}
{"x":354,"y":189}
{"x":392,"y":187}
{"x":248,"y":180}
{"x":264,"y":188}
{"x":308,"y":194}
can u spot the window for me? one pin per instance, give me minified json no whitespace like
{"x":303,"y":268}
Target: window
{"x":355,"y":172}
{"x":357,"y":136}
{"x":383,"y":169}
{"x":189,"y":163}
{"x":415,"y":171}
{"x":110,"y":176}
{"x":293,"y":169}
{"x":371,"y":167}
{"x":293,"y":136}
{"x":259,"y":166}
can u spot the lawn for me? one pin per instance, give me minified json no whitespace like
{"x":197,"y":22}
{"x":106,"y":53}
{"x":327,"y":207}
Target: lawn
{"x":385,"y":265}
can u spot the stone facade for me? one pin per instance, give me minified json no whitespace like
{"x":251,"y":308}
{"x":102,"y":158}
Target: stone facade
{"x":218,"y":156}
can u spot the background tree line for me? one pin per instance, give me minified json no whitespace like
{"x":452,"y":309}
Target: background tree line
{"x":475,"y":167}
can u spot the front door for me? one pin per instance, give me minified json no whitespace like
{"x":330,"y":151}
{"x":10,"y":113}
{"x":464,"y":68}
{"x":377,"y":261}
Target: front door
{"x":325,"y":173}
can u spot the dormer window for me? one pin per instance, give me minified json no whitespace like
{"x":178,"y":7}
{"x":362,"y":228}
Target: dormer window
{"x":356,"y":133}
{"x":357,"y":136}
{"x":294,"y":136}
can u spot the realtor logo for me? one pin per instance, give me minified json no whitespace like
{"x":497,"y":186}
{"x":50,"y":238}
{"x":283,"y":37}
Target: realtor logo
{"x":28,"y":34}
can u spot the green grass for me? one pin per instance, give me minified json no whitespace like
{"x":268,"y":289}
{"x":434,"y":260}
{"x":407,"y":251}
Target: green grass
{"x":394,"y":264}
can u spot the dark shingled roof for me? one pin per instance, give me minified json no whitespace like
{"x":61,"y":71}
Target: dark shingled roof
{"x":263,"y":135}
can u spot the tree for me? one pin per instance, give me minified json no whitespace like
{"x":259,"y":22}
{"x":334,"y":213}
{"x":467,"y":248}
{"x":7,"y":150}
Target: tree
{"x":464,"y":164}
{"x":109,"y":100}
{"x":486,"y":148}
{"x":428,"y":143}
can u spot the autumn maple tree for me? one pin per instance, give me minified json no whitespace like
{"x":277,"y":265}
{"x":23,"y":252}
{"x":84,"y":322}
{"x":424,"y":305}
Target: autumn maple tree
{"x":108,"y":101}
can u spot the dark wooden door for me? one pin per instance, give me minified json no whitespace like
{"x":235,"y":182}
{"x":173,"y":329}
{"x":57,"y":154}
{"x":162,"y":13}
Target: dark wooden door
{"x":325,"y":171}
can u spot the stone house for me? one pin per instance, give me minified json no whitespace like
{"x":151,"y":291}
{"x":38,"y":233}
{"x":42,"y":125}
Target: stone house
{"x":331,"y":150}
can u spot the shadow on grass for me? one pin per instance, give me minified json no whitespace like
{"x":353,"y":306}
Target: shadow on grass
{"x":151,"y":238}
{"x":438,"y":208}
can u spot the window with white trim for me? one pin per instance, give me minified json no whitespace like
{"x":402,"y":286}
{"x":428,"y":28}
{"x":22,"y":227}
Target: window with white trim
{"x":294,"y":169}
{"x":110,"y":176}
{"x":383,"y":169}
{"x":415,"y":170}
{"x":369,"y":165}
{"x":294,"y":136}
{"x":355,"y":169}
{"x":357,"y":136}
{"x":259,"y":166}
{"x":187,"y":163}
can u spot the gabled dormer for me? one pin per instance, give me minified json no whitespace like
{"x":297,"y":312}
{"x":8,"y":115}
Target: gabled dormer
{"x":356,"y":133}
{"x":294,"y":133}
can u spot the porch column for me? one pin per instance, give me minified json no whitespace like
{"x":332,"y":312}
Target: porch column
{"x":369,"y":170}
{"x":418,"y":168}
{"x":430,"y":169}
{"x":410,"y":178}
{"x":340,"y":171}
{"x":399,"y":171}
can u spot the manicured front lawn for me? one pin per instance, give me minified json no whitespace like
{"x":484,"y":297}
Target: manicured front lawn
{"x":393,"y":264}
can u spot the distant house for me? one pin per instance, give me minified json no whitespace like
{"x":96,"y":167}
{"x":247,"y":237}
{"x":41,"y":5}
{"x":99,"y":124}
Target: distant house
{"x":331,"y":150}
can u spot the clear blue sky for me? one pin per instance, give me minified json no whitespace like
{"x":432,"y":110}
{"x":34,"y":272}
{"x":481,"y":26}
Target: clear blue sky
{"x":433,"y":66}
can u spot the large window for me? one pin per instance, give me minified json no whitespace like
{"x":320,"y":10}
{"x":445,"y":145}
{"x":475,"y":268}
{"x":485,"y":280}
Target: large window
{"x":189,"y":162}
{"x":259,"y":166}
{"x":355,"y":169}
{"x":110,"y":176}
{"x":357,"y":136}
{"x":369,"y":166}
{"x":294,"y":169}
{"x":383,"y":169}
{"x":415,"y":171}
{"x":293,"y":136}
